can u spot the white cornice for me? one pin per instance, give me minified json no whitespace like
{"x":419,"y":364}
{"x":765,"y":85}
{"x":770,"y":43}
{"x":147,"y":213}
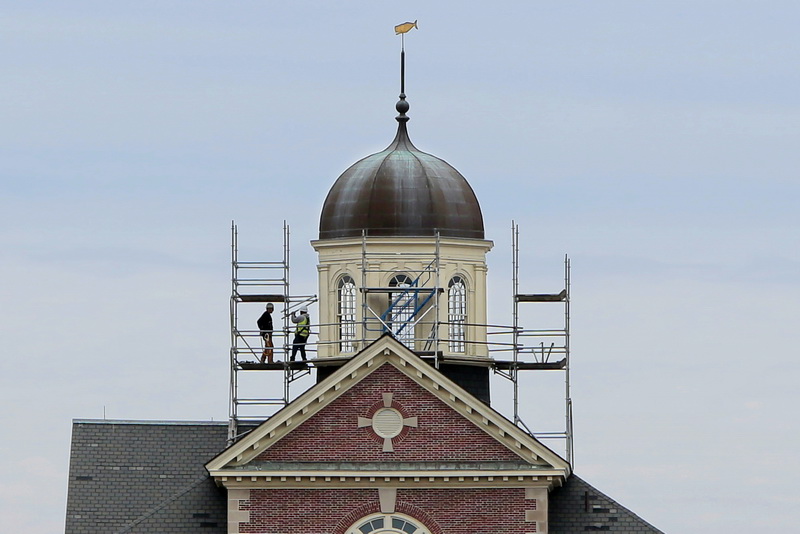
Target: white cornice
{"x":394,"y":241}
{"x":403,"y":479}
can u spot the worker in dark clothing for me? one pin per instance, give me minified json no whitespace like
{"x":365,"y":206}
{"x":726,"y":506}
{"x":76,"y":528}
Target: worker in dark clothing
{"x":301,"y":333}
{"x":265,"y":326}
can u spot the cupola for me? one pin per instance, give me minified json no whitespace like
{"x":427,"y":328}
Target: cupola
{"x":402,"y":252}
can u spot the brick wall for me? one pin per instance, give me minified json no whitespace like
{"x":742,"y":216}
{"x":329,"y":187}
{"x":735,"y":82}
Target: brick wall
{"x":442,"y":511}
{"x":441,"y":435}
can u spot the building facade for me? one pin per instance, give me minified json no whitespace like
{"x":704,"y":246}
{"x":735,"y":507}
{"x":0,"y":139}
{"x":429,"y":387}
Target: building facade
{"x":397,"y":435}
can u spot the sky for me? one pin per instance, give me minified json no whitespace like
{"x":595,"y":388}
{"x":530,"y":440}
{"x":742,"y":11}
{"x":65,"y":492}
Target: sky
{"x":653,"y":142}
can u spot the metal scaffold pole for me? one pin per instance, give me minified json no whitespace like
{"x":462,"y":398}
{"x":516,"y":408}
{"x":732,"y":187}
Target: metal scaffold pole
{"x":515,"y":313}
{"x":568,"y":401}
{"x":287,"y":372}
{"x":232,"y":415}
{"x":436,"y":317}
{"x":364,"y":283}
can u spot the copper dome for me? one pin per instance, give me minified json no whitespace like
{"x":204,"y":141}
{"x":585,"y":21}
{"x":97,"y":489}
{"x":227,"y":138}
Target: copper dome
{"x":401,"y":191}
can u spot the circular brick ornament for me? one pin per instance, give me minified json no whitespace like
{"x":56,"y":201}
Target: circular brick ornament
{"x":387,"y":422}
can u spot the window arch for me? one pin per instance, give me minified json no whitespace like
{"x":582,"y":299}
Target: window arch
{"x":401,"y":312}
{"x":388,"y":524}
{"x":346,"y":313}
{"x":457,"y":314}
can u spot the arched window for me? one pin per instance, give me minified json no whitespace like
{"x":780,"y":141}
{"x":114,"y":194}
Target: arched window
{"x":346,"y":311}
{"x":388,"y":524}
{"x":401,"y":312}
{"x":457,"y":314}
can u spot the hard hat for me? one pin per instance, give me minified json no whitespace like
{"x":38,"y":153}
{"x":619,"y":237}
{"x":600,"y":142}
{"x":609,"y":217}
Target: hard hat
{"x":303,"y":309}
{"x":270,"y":306}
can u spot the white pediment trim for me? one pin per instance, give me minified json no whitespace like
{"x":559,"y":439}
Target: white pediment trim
{"x":386,"y":350}
{"x":396,"y":479}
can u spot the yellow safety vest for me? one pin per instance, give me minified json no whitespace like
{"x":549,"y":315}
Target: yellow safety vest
{"x":302,"y":327}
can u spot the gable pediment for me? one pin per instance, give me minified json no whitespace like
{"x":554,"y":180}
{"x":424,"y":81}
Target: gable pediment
{"x":386,"y":411}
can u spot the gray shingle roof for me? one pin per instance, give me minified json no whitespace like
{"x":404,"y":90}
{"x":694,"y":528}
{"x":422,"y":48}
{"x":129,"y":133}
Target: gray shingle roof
{"x":577,"y":507}
{"x":141,"y":477}
{"x":149,"y":478}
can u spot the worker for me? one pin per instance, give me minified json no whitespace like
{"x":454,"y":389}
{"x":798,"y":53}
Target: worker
{"x":265,"y":326}
{"x":301,"y":333}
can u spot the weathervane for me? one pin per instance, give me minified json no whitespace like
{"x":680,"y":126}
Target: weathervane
{"x":402,"y":30}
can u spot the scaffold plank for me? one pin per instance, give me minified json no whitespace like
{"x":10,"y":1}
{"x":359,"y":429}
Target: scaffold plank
{"x":542,"y":297}
{"x":261,"y":298}
{"x":542,"y":366}
{"x":276,"y":366}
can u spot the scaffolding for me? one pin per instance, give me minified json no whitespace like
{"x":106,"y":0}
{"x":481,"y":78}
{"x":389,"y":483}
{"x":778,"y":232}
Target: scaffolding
{"x":260,"y":282}
{"x":540,"y":349}
{"x":408,"y":308}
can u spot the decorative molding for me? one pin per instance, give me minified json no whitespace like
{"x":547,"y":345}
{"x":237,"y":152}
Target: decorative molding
{"x":393,"y":479}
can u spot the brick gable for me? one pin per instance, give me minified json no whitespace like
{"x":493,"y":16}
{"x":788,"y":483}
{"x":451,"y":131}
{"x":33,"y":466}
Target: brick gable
{"x":442,"y":433}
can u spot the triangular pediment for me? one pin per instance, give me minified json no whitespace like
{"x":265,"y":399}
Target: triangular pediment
{"x":386,"y":410}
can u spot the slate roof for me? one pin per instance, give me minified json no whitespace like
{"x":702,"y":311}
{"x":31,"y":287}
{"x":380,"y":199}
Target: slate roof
{"x":578,"y":507}
{"x":142,"y":477}
{"x":148,"y":477}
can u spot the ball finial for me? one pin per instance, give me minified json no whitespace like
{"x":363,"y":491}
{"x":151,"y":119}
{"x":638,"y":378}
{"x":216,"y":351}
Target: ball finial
{"x":402,"y":107}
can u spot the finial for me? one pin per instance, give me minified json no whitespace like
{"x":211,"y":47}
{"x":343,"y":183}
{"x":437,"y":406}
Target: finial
{"x":402,"y":106}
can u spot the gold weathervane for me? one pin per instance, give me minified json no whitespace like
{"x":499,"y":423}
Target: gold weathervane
{"x":405,"y":27}
{"x":402,"y":30}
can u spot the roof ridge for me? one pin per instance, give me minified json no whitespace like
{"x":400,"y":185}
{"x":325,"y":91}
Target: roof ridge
{"x":148,"y":422}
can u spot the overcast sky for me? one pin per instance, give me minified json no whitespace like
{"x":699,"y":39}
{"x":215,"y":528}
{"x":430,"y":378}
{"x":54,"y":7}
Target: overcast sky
{"x":654,"y":142}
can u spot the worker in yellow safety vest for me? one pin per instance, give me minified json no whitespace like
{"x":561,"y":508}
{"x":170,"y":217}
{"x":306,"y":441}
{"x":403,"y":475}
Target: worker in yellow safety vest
{"x":301,"y":333}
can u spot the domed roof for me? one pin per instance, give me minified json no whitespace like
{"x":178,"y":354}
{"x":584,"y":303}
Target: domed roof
{"x":401,"y":191}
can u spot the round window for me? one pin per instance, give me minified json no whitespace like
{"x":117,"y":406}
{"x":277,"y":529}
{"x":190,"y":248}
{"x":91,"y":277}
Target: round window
{"x":387,"y":524}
